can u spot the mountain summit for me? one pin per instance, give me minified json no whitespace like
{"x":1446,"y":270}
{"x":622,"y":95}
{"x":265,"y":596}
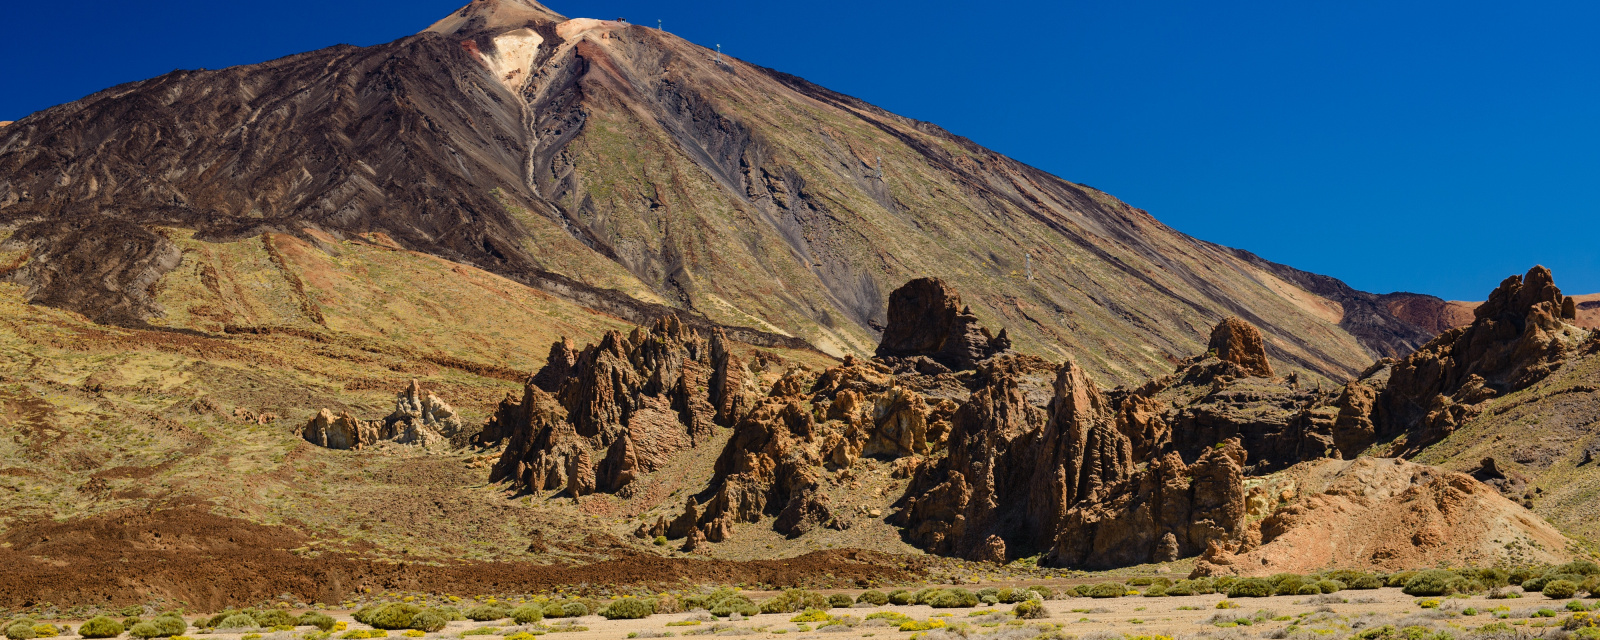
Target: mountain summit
{"x":638,"y":174}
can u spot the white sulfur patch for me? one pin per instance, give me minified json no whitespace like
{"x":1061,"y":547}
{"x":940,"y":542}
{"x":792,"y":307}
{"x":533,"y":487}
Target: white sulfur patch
{"x":513,"y":56}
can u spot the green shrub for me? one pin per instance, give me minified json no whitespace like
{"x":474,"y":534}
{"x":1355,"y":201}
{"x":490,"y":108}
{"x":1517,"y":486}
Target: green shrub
{"x":488,"y":613}
{"x":875,"y":598}
{"x":736,"y":604}
{"x":1309,"y":590}
{"x":274,"y":618}
{"x":1494,"y":578}
{"x":900,"y":597}
{"x":1223,"y":584}
{"x":1536,"y":583}
{"x":322,"y":621}
{"x":1559,"y":589}
{"x":142,"y":630}
{"x":1433,"y":582}
{"x":577,"y":609}
{"x":1155,"y":591}
{"x":21,"y":630}
{"x":1181,"y":588}
{"x":840,"y":600}
{"x":100,"y":627}
{"x":1141,"y":581}
{"x":430,"y":621}
{"x":236,"y":621}
{"x":1398,"y":578}
{"x":1573,"y":606}
{"x":1106,"y":590}
{"x":527,"y":614}
{"x":953,"y":599}
{"x":554,"y":610}
{"x":1519,"y":574}
{"x":1030,"y":610}
{"x":1579,"y":567}
{"x":661,"y":541}
{"x":1330,"y":586}
{"x":1045,"y":593}
{"x":169,"y":625}
{"x":395,"y":615}
{"x":629,"y":609}
{"x":131,"y":611}
{"x":127,"y":623}
{"x":1250,"y":588}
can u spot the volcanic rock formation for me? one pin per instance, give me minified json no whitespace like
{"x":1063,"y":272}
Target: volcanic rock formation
{"x":926,"y":318}
{"x":1517,"y":338}
{"x":596,"y":419}
{"x":417,"y":419}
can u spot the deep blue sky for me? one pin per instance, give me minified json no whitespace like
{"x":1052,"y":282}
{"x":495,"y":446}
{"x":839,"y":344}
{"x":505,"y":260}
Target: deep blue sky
{"x":1429,"y":147}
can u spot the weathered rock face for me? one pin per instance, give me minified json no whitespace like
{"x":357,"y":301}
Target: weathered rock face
{"x":1065,"y":480}
{"x":417,"y":419}
{"x":599,"y":418}
{"x":1239,"y":342}
{"x":1165,"y":511}
{"x":1518,"y":337}
{"x":926,"y":318}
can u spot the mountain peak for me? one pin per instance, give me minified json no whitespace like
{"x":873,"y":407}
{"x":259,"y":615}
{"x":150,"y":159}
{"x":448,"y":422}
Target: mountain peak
{"x":496,"y":16}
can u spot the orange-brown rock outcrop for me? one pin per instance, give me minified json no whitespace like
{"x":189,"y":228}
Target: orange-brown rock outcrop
{"x":417,"y":419}
{"x":1518,"y":336}
{"x":599,"y":418}
{"x":926,"y":318}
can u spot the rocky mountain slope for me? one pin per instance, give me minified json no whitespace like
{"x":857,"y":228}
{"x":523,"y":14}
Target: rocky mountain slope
{"x":632,"y":172}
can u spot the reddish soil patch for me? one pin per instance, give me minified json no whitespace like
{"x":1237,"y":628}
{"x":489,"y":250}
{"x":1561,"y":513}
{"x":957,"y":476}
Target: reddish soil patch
{"x":211,"y":562}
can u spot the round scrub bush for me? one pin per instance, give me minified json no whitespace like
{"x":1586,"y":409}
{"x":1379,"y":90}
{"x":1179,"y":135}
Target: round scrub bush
{"x":840,"y":600}
{"x":876,"y":598}
{"x":1560,"y":589}
{"x":527,"y":614}
{"x":430,"y":621}
{"x":322,"y":621}
{"x":900,"y":597}
{"x":1155,"y":591}
{"x":1030,"y":610}
{"x":578,"y":609}
{"x":1433,"y":582}
{"x":1181,"y":588}
{"x":634,"y":608}
{"x":729,"y":606}
{"x":1250,"y":588}
{"x":487,"y":613}
{"x":21,"y":630}
{"x":237,"y":621}
{"x":1105,"y":590}
{"x":100,"y":627}
{"x":127,"y":623}
{"x":274,"y":618}
{"x":953,"y":598}
{"x":1045,"y":593}
{"x":554,"y":610}
{"x":162,"y":627}
{"x":1309,"y":590}
{"x":394,"y":616}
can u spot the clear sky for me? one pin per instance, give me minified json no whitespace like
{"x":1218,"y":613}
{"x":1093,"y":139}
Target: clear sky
{"x":1429,"y":147}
